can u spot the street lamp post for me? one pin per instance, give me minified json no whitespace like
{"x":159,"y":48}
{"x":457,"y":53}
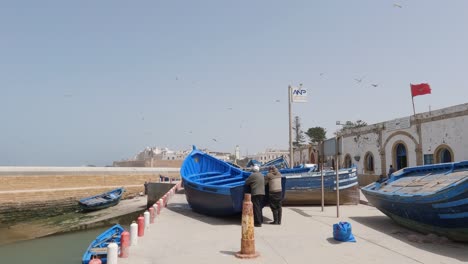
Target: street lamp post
{"x":291,"y":152}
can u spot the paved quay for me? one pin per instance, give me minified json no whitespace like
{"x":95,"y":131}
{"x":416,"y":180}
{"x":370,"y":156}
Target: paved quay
{"x":180,"y":235}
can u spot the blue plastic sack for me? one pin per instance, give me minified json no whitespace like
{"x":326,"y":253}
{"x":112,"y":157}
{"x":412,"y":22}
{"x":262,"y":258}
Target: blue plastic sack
{"x":342,"y":232}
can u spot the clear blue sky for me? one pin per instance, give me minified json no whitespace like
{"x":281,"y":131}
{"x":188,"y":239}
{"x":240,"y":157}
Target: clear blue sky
{"x":90,"y":82}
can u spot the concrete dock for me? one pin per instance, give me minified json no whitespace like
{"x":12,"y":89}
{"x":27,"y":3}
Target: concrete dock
{"x":180,"y":235}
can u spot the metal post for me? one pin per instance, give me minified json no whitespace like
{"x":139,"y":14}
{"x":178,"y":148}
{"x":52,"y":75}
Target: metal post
{"x":337,"y":164}
{"x":321,"y":175}
{"x":291,"y":159}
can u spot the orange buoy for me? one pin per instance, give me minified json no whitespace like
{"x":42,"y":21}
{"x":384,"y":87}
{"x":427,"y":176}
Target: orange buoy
{"x":141,"y":226}
{"x":124,"y":244}
{"x":95,"y":261}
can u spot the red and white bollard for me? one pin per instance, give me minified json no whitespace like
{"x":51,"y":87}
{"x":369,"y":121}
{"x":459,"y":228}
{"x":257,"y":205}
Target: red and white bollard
{"x":151,"y":211}
{"x":133,"y":234}
{"x":112,"y":253}
{"x":155,"y":208}
{"x":124,"y":244}
{"x":141,"y":226}
{"x":147,"y":219}
{"x":161,"y":203}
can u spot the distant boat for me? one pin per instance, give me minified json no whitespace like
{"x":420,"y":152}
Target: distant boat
{"x":428,"y":199}
{"x":98,"y":248}
{"x":102,"y":201}
{"x":304,"y":186}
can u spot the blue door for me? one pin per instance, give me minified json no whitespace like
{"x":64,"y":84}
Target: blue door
{"x":445,"y":156}
{"x":401,"y":157}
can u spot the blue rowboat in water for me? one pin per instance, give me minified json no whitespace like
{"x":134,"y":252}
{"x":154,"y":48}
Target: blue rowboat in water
{"x":102,"y":201}
{"x":98,"y":248}
{"x":428,"y":199}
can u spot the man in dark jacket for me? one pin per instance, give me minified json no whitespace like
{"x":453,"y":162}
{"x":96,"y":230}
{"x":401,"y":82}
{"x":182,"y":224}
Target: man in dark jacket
{"x":273,"y":179}
{"x":257,"y":186}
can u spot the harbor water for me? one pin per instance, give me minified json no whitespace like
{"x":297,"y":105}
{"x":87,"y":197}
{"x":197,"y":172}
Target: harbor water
{"x":57,"y":249}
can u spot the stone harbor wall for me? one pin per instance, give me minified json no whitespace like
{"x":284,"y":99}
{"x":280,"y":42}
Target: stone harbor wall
{"x":27,"y":193}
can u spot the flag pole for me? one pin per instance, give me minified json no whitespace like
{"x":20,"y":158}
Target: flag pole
{"x":412,"y":99}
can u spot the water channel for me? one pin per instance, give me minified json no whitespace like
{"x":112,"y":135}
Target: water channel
{"x":58,"y":249}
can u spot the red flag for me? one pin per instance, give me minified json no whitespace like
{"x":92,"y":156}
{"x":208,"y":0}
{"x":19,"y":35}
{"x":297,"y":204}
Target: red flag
{"x":420,"y":89}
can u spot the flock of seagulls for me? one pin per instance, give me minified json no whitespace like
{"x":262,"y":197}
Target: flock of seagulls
{"x":358,"y":81}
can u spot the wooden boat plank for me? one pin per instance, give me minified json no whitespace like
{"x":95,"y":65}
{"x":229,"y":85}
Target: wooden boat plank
{"x":98,"y":250}
{"x":224,"y":180}
{"x":215,"y":177}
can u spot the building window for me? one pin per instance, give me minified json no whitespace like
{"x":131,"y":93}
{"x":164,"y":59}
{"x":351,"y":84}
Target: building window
{"x":401,"y":156}
{"x":443,"y":154}
{"x":428,"y":159}
{"x":369,"y":162}
{"x":347,"y":161}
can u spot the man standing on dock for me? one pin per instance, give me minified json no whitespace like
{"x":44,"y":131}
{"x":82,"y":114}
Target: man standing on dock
{"x":273,"y":179}
{"x":257,"y":187}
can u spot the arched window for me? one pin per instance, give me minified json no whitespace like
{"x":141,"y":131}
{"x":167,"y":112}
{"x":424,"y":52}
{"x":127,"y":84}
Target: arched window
{"x":401,"y":156}
{"x":369,"y":162}
{"x":347,"y":161}
{"x":443,"y":154}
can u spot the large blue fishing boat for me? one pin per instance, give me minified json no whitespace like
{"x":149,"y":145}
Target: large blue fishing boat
{"x":428,"y":199}
{"x":212,"y":186}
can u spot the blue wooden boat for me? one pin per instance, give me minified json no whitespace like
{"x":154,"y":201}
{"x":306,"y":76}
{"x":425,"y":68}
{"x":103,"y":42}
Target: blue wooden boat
{"x":212,"y":186}
{"x":102,"y":201}
{"x":304,"y":186}
{"x":279,"y":163}
{"x":98,"y":248}
{"x":428,"y":199}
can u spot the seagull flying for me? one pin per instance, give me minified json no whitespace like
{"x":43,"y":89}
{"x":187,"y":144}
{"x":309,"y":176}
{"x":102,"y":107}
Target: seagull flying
{"x":358,"y":80}
{"x":277,"y":100}
{"x":214,"y":139}
{"x":397,"y":5}
{"x":375,"y":85}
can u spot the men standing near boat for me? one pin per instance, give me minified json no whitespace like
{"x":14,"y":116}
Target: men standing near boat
{"x":273,"y":179}
{"x":257,"y":186}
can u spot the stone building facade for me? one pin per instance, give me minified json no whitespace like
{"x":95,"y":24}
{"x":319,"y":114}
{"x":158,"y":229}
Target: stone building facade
{"x":427,"y":138}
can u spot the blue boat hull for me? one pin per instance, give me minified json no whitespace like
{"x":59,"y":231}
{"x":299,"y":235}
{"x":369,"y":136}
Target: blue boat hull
{"x":212,"y":203}
{"x":306,"y":188}
{"x":443,"y":212}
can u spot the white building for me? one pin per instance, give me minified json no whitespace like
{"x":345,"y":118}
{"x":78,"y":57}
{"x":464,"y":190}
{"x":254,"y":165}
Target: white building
{"x":426,"y":138}
{"x":270,"y":154}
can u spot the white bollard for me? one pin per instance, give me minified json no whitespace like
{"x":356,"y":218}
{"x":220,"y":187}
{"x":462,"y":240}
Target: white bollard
{"x":161,"y":202}
{"x":112,"y":253}
{"x":133,"y":234}
{"x":155,"y":206}
{"x":147,"y":219}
